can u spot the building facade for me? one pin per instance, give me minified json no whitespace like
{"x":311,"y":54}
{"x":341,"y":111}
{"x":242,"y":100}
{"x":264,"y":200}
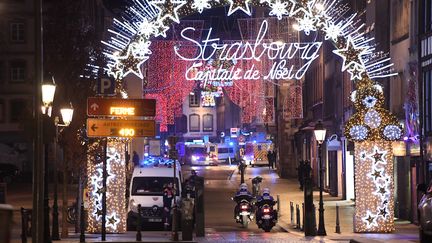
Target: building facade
{"x":201,"y":120}
{"x":425,"y":87}
{"x":17,"y":81}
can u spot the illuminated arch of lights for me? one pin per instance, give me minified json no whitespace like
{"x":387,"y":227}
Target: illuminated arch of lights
{"x":372,"y":128}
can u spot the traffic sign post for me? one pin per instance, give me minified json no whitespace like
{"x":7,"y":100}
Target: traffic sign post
{"x":106,"y":86}
{"x":120,"y":128}
{"x":120,"y":107}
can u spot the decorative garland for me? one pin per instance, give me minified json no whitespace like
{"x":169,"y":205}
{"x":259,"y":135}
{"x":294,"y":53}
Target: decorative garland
{"x":371,"y":127}
{"x":129,"y":48}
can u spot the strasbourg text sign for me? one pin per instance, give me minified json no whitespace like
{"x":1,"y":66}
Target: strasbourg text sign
{"x":278,"y":52}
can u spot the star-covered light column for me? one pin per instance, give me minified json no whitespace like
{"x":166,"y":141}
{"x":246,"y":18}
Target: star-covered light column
{"x":115,"y":190}
{"x":372,"y":129}
{"x":374,"y":210}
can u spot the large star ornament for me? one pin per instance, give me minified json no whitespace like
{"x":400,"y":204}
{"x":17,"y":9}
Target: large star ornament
{"x":168,"y":9}
{"x":131,"y":64}
{"x":242,"y":5}
{"x":351,"y":55}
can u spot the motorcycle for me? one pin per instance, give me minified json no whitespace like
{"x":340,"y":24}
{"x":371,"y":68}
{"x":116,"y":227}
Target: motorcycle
{"x":244,"y":213}
{"x":266,"y":217}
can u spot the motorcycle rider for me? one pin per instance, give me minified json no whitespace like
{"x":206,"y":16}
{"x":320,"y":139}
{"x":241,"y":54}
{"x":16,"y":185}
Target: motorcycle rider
{"x":241,"y":194}
{"x":265,"y":198}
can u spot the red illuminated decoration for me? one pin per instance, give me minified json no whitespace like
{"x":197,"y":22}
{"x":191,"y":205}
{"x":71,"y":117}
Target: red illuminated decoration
{"x":166,"y":81}
{"x":293,"y":108}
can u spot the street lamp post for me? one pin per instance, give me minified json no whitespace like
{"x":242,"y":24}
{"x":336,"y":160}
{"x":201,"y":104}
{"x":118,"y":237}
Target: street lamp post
{"x":48,"y":91}
{"x":320,"y":133}
{"x":66,"y":114}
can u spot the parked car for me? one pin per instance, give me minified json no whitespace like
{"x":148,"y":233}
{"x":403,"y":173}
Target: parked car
{"x":8,"y":173}
{"x":425,"y":213}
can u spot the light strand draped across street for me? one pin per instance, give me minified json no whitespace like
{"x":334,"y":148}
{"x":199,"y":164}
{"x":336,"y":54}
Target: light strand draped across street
{"x":352,"y":43}
{"x":280,"y":53}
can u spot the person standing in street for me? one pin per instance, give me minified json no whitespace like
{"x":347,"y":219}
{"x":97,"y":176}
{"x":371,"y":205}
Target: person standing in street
{"x":273,"y":159}
{"x":135,"y":158}
{"x":168,"y":196}
{"x":269,"y":158}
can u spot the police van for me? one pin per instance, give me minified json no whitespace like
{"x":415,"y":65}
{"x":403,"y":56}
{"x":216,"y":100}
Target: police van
{"x":146,"y":188}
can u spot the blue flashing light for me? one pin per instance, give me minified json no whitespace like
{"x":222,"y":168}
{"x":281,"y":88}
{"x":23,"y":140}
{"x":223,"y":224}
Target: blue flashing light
{"x":146,"y":154}
{"x":231,"y":144}
{"x":156,"y":161}
{"x":254,"y":141}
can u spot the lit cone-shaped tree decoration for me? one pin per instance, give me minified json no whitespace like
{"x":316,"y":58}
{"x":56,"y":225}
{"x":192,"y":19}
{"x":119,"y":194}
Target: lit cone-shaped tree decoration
{"x":372,"y":128}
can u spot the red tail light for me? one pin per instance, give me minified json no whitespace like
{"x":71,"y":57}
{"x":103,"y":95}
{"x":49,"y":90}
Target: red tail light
{"x":244,"y":207}
{"x":266,"y":210}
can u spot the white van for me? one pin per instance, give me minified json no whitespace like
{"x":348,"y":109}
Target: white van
{"x":225,"y":152}
{"x":146,"y":188}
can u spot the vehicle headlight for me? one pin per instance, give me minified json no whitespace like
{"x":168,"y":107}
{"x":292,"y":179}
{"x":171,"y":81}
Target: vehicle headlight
{"x":194,"y":158}
{"x":133,"y":206}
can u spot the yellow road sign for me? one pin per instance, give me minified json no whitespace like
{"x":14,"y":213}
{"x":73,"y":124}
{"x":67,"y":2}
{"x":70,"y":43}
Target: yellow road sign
{"x":120,"y":128}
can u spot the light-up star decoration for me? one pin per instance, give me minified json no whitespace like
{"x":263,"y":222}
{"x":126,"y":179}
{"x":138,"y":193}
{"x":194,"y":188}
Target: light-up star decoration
{"x":301,"y":8}
{"x":376,"y":174}
{"x":383,"y":212}
{"x":378,"y":156}
{"x":200,"y":5}
{"x":370,"y":219}
{"x":146,"y":28}
{"x":141,"y":49}
{"x":131,"y":64}
{"x":242,"y":5}
{"x":112,"y":221}
{"x":351,"y":55}
{"x":279,"y":8}
{"x":115,"y":70}
{"x":356,"y":72}
{"x":168,"y":9}
{"x":332,"y":31}
{"x":161,"y":29}
{"x":306,"y":24}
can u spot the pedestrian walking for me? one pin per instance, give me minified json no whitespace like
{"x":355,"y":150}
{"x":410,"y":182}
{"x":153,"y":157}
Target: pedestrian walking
{"x":135,"y":158}
{"x":273,"y":159}
{"x":168,"y":196}
{"x":269,"y":158}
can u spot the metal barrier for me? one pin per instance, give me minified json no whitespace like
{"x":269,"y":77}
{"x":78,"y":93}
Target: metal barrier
{"x":26,"y":219}
{"x":303,"y":217}
{"x":314,"y":216}
{"x":298,"y":216}
{"x":292,"y":212}
{"x":278,"y":206}
{"x":337,"y":220}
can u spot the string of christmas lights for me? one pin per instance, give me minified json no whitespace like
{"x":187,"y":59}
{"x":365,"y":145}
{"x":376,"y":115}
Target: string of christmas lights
{"x":374,"y":198}
{"x":116,"y":185}
{"x":370,"y":127}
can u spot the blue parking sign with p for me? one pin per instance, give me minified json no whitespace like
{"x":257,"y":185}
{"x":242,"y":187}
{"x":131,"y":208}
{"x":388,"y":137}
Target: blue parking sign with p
{"x":105,"y":86}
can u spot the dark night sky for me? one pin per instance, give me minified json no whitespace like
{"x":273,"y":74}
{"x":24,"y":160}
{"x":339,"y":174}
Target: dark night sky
{"x":116,"y":4}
